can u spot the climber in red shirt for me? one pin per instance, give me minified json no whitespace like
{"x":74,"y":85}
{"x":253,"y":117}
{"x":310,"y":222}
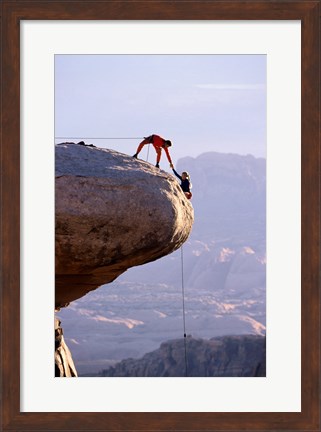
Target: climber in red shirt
{"x":159,"y":143}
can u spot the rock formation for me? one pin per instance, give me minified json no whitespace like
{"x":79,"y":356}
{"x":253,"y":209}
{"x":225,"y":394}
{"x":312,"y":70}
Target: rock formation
{"x":64,"y":365}
{"x":113,"y":212}
{"x":226,"y":356}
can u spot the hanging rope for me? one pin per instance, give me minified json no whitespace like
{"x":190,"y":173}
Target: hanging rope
{"x":147,"y":153}
{"x":184,"y":321}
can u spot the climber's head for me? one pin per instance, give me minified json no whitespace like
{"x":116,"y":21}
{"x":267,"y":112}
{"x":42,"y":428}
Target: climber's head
{"x":185,"y":175}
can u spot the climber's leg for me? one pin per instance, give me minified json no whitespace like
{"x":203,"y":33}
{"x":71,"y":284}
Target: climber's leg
{"x":139,"y":148}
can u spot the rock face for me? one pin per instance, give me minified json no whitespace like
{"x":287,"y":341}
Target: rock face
{"x":64,"y":365}
{"x":227,"y":356}
{"x":112,"y":212}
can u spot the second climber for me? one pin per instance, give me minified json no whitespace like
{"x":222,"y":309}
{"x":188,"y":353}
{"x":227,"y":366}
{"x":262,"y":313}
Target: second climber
{"x":186,"y":184}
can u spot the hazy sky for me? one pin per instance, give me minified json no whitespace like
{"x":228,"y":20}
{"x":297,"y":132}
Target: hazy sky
{"x":200,"y":102}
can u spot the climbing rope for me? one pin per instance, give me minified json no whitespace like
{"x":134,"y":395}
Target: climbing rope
{"x":107,"y":138}
{"x":183,"y":295}
{"x":184,"y":321}
{"x":147,"y":153}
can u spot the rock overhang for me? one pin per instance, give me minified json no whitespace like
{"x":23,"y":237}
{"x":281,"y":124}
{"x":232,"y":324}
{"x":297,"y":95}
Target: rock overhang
{"x":113,"y":212}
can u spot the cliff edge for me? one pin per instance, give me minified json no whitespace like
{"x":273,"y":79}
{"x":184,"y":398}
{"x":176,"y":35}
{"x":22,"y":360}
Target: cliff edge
{"x":112,"y":212}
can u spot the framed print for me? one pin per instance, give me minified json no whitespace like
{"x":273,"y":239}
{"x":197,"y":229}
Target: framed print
{"x":223,"y":71}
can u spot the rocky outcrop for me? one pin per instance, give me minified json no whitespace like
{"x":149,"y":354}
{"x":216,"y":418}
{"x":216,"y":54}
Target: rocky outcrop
{"x":64,"y":365}
{"x":112,"y":212}
{"x":227,"y":356}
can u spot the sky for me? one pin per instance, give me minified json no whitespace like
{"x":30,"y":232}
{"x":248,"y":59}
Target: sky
{"x":200,"y":102}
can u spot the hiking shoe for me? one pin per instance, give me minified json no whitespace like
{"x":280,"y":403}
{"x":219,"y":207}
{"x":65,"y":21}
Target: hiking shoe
{"x":157,"y":165}
{"x":135,"y":156}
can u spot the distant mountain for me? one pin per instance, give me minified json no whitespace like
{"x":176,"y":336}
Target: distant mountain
{"x":229,"y":194}
{"x":223,"y":176}
{"x":229,"y":356}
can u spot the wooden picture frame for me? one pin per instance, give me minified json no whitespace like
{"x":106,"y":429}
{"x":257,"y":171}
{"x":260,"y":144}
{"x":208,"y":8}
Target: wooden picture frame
{"x":12,"y":13}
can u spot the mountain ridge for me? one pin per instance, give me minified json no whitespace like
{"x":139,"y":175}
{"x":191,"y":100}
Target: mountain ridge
{"x":225,"y":356}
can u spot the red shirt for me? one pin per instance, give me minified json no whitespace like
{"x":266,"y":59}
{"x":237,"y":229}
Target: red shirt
{"x":158,"y":142}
